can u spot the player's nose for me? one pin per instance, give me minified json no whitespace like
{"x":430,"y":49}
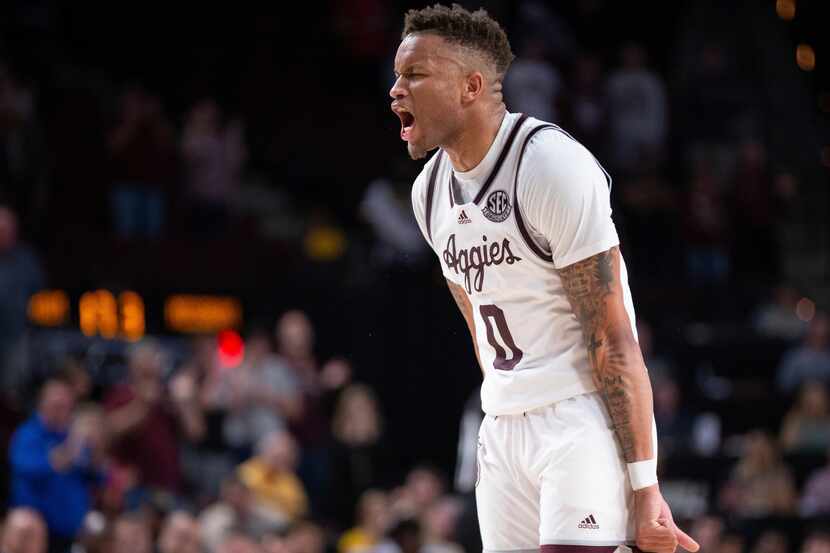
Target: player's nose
{"x":397,"y":90}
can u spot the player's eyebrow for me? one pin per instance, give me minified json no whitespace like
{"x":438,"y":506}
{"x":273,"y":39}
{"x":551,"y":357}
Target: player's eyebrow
{"x":411,"y":67}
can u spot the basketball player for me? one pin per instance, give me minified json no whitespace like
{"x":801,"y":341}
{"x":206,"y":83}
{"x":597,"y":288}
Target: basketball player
{"x":519,"y":215}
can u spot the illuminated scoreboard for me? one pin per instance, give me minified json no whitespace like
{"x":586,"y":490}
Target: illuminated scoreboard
{"x":123,"y":315}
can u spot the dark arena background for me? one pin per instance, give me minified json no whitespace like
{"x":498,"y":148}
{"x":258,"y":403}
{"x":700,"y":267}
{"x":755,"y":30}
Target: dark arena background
{"x":206,"y":231}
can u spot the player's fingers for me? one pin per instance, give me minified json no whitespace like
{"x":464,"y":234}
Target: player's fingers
{"x":656,"y":539}
{"x":685,"y":541}
{"x":657,"y":547}
{"x":656,"y":527}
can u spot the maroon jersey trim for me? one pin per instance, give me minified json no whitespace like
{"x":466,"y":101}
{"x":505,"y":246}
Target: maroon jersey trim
{"x":563,"y":548}
{"x":519,"y":221}
{"x":431,"y":192}
{"x":500,"y":161}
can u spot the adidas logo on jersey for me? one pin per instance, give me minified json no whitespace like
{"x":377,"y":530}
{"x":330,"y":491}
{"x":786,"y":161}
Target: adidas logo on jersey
{"x":463,"y":219}
{"x":589,"y":523}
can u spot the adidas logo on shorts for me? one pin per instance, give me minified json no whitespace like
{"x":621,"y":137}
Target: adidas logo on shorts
{"x":589,"y":523}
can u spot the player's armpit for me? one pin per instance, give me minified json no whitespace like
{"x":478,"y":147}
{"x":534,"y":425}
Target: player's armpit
{"x":463,"y":301}
{"x":595,"y":292}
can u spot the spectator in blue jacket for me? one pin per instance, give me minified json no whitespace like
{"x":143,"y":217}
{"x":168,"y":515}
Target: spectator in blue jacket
{"x":54,"y":463}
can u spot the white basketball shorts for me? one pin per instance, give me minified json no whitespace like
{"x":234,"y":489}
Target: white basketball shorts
{"x":553,"y":476}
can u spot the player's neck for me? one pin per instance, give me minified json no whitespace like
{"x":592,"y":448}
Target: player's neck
{"x":475,"y":139}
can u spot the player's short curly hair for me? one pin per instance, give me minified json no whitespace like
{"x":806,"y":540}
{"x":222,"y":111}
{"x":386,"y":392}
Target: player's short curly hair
{"x":475,"y":30}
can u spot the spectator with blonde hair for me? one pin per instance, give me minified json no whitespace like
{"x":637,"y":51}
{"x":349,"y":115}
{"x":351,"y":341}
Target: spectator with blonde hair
{"x":761,"y":484}
{"x":355,"y":462}
{"x":806,"y":428}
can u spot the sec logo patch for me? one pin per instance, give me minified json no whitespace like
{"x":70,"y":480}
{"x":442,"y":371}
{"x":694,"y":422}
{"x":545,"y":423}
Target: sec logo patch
{"x":497,"y":207}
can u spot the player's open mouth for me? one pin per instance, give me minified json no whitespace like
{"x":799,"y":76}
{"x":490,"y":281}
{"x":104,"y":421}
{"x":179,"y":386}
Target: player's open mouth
{"x":407,"y":123}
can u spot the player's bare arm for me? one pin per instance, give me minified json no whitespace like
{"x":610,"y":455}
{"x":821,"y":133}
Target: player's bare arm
{"x":466,"y":308}
{"x":594,"y":289}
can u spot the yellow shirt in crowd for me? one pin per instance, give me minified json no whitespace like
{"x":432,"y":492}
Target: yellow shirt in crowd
{"x":355,"y":540}
{"x":279,"y":491}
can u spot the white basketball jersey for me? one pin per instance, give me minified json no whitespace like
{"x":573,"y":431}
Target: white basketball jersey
{"x":529,"y":340}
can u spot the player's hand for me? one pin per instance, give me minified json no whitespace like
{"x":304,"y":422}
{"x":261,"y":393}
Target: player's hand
{"x":655,"y":527}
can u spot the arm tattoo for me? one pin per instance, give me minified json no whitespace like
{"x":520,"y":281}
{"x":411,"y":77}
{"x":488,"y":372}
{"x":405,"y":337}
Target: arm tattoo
{"x":588,"y":285}
{"x":460,"y":299}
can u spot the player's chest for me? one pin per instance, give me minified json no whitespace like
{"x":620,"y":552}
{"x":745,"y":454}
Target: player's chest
{"x":479,"y":244}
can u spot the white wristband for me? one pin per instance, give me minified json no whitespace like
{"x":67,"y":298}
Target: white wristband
{"x":642,"y":474}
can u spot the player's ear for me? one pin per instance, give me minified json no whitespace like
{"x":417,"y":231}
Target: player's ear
{"x":473,"y":86}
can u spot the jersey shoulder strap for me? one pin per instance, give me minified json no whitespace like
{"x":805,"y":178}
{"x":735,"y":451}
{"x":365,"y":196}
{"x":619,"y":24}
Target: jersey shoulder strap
{"x":508,"y":145}
{"x":433,"y":175}
{"x":528,"y":239}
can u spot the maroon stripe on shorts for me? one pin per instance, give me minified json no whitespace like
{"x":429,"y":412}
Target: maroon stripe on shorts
{"x":557,"y":548}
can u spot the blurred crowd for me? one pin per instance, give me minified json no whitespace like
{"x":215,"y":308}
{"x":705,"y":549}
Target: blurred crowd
{"x":688,"y":144}
{"x":280,"y":452}
{"x":176,"y":449}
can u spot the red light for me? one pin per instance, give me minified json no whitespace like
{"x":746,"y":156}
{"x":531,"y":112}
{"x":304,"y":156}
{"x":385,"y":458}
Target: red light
{"x":231,"y":348}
